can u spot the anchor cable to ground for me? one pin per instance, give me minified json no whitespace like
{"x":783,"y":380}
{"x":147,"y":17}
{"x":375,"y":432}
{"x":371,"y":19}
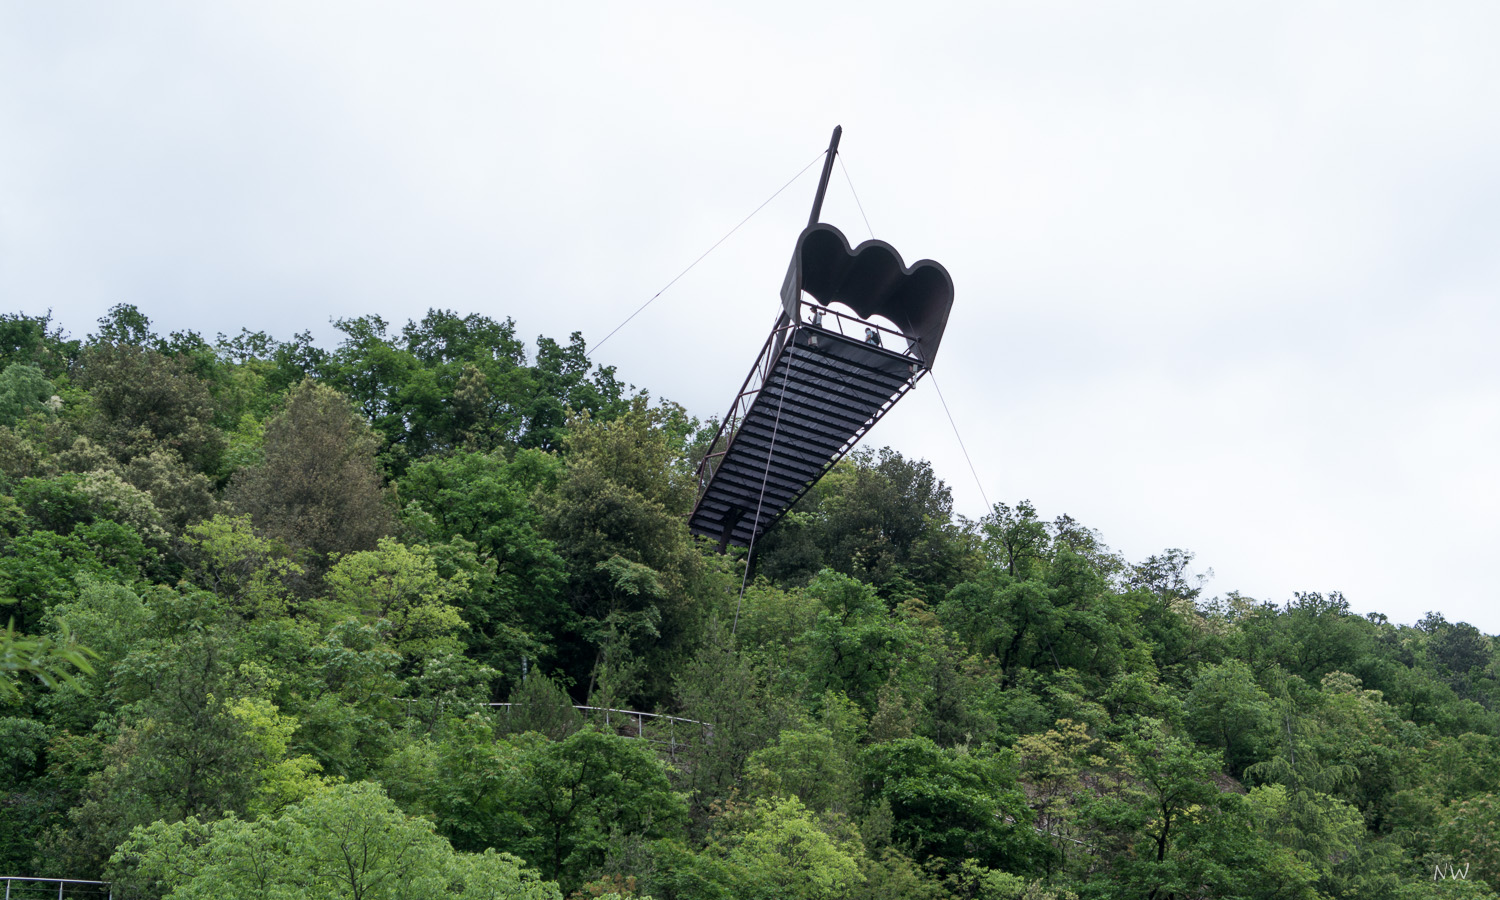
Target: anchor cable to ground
{"x":972,"y":471}
{"x":764,"y":479}
{"x":592,"y":350}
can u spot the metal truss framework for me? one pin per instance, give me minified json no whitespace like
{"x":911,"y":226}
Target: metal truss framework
{"x":814,"y":391}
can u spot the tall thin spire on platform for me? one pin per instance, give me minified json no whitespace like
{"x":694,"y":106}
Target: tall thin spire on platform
{"x":833,"y":150}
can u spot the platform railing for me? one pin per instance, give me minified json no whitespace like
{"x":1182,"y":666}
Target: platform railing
{"x":743,"y":400}
{"x":814,"y":315}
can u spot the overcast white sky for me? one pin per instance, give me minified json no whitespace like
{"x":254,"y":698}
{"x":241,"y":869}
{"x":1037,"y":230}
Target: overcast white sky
{"x":1226,"y":273}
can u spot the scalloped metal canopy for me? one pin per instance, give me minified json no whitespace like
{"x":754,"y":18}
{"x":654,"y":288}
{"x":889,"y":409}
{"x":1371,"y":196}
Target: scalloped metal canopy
{"x":872,"y":280}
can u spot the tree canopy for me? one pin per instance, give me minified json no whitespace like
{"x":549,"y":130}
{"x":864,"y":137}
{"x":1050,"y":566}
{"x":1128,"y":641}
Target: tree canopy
{"x":418,"y":614}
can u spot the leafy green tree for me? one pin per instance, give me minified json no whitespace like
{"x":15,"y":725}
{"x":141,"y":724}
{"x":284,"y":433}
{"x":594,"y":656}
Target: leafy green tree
{"x":67,"y":527}
{"x":126,"y":325}
{"x":1166,"y":830}
{"x":180,"y":752}
{"x":348,"y":709}
{"x":1359,"y":730}
{"x":740,"y":710}
{"x":1461,"y":766}
{"x":318,"y":489}
{"x":1063,"y":617}
{"x":1047,"y":600}
{"x":1180,"y":637}
{"x":1052,"y":767}
{"x":24,"y":391}
{"x":954,"y":804}
{"x":139,"y":400}
{"x":894,"y":876}
{"x":295,"y":361}
{"x":776,"y":849}
{"x":564,"y":383}
{"x":24,"y":806}
{"x":878,"y":517}
{"x":110,"y":619}
{"x":281,"y":778}
{"x":855,"y":645}
{"x":1321,"y":831}
{"x":373,"y":372}
{"x":517,"y":605}
{"x":621,"y":498}
{"x":473,"y":367}
{"x":1470,"y":832}
{"x":246,"y":347}
{"x":225,"y":556}
{"x":560,"y":805}
{"x":51,"y":661}
{"x":541,"y":705}
{"x":977,"y":612}
{"x":347,"y":842}
{"x":24,"y":453}
{"x":1228,"y":709}
{"x":180,"y":495}
{"x":817,"y":763}
{"x":772,"y":623}
{"x":1312,"y":636}
{"x":445,"y":337}
{"x":1015,"y":541}
{"x":401,"y":585}
{"x":1341,"y":741}
{"x":1084,"y":625}
{"x":451,"y":382}
{"x":1459,"y":653}
{"x":35,"y":341}
{"x":111,"y":497}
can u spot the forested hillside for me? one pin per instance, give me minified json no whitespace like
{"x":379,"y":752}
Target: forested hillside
{"x":262,"y":593}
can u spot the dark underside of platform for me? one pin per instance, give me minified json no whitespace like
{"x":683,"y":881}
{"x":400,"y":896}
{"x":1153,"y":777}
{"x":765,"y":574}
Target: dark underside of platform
{"x":817,"y":401}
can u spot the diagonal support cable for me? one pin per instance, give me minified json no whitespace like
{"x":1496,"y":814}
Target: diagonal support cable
{"x":977,"y":482}
{"x":791,"y":348}
{"x":727,"y":236}
{"x":856,"y":197}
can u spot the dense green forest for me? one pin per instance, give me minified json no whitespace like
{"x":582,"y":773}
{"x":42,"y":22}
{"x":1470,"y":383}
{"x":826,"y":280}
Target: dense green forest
{"x":263,"y":593}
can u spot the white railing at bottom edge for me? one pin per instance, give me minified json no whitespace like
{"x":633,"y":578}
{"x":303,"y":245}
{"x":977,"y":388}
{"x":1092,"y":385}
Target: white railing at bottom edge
{"x":61,"y":883}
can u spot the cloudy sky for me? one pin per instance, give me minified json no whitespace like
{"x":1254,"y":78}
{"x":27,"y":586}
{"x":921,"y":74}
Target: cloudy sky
{"x":1226,"y":273}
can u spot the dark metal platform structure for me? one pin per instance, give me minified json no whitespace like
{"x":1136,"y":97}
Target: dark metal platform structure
{"x":823,"y":377}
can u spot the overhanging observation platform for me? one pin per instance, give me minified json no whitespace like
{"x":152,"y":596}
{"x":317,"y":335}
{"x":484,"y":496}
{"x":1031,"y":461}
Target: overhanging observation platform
{"x":822,"y":380}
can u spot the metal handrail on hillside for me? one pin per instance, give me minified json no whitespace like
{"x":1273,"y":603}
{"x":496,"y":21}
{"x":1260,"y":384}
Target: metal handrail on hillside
{"x":27,"y":881}
{"x":640,"y":721}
